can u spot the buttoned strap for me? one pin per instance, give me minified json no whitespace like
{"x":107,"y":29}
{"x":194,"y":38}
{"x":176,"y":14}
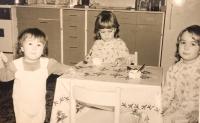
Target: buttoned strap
{"x":44,"y":62}
{"x":19,"y":64}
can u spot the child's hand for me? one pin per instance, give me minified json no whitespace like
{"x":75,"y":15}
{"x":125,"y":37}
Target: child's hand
{"x":118,"y":62}
{"x":74,"y":72}
{"x":3,"y":59}
{"x":193,"y":117}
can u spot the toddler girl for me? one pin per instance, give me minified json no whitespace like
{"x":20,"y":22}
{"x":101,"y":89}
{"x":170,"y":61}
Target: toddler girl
{"x":108,"y":45}
{"x":181,"y":91}
{"x":30,"y":72}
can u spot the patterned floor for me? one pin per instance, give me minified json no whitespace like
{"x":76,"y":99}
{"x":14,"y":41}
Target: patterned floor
{"x":6,"y":103}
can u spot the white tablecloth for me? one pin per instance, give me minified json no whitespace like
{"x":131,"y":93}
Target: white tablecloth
{"x":138,"y":96}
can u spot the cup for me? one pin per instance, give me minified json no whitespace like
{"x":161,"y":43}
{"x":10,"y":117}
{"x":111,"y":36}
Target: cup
{"x":97,"y":61}
{"x":134,"y":74}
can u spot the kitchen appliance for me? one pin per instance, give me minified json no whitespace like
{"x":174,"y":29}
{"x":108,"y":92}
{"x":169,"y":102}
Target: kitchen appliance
{"x":8,"y":31}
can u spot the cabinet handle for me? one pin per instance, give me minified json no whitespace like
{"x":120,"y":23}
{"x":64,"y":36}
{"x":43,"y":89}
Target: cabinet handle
{"x":73,"y":15}
{"x":43,"y":22}
{"x":73,"y":47}
{"x":170,"y":20}
{"x":72,"y":37}
{"x":46,"y":19}
{"x":124,"y":18}
{"x":72,"y":26}
{"x":72,"y":62}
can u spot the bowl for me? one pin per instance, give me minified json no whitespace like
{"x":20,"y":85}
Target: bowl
{"x":97,"y":61}
{"x":134,"y":74}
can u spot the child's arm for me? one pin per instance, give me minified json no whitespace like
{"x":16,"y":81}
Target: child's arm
{"x":7,"y":73}
{"x":193,"y":117}
{"x":168,"y":90}
{"x":93,"y":51}
{"x":125,"y":56}
{"x":55,"y":67}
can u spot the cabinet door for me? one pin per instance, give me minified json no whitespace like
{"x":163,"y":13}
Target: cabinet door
{"x":148,"y":38}
{"x":52,"y":29}
{"x":91,"y":18}
{"x":73,"y":36}
{"x":127,"y":26}
{"x":48,"y":23}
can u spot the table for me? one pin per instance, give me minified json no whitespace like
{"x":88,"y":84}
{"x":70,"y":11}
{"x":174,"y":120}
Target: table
{"x":139,"y":96}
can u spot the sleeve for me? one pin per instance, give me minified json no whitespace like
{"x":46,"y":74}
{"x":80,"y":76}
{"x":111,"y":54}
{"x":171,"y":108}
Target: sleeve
{"x":193,"y":102}
{"x":55,"y":67}
{"x":168,"y":92}
{"x":124,"y":52}
{"x":93,"y":52}
{"x":8,"y":73}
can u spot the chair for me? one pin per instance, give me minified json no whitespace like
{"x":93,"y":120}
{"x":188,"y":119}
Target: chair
{"x":100,"y":98}
{"x":135,"y":58}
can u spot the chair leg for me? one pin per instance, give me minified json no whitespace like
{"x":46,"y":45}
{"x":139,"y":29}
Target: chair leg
{"x":72,"y":108}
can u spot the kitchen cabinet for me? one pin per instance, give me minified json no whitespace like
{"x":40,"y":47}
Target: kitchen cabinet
{"x":71,"y":31}
{"x":73,"y":36}
{"x":45,"y":19}
{"x":141,"y":31}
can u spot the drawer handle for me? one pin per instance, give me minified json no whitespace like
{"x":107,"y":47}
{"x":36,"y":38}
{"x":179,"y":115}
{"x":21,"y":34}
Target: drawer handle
{"x":73,"y":15}
{"x":43,"y":22}
{"x":72,"y":37}
{"x":124,"y":18}
{"x":72,"y":62}
{"x":72,"y":26}
{"x":73,"y":47}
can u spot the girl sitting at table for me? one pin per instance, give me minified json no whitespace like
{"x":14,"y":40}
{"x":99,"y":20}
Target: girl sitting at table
{"x":30,"y":72}
{"x":108,"y":45}
{"x":181,"y":91}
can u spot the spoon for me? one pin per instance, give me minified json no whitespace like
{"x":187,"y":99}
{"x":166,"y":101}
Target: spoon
{"x":141,"y":68}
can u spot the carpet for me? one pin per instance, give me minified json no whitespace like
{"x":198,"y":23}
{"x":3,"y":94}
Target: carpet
{"x":7,"y":114}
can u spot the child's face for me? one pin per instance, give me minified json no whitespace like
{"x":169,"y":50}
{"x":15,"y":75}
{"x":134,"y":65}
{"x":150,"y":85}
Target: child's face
{"x":107,"y":34}
{"x":189,"y":49}
{"x":32,"y":48}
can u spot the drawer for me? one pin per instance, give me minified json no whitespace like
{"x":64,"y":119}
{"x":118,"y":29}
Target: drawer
{"x":74,"y":15}
{"x":150,"y":18}
{"x":126,"y":17}
{"x":45,"y":13}
{"x":74,"y":26}
{"x":73,"y":55}
{"x":72,"y":39}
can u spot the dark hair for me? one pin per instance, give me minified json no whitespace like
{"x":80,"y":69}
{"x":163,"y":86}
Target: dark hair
{"x":194,"y":30}
{"x":106,"y":20}
{"x":35,"y":33}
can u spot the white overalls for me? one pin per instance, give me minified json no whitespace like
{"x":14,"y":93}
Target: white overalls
{"x":29,"y":92}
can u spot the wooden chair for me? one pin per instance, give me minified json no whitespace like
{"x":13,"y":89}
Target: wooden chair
{"x":135,"y":58}
{"x":100,"y":98}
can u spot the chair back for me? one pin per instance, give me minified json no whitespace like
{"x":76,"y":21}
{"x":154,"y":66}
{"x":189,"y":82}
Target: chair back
{"x":94,"y":97}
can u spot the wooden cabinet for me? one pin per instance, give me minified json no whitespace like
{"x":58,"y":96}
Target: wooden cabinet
{"x":45,"y":19}
{"x":71,"y":32}
{"x":149,"y":38}
{"x":141,"y":31}
{"x":73,"y":36}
